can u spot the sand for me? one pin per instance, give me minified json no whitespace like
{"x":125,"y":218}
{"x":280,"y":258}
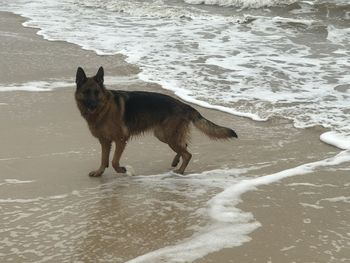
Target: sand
{"x":45,"y":144}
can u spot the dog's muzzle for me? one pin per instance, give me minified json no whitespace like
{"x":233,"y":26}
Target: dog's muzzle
{"x":91,"y":105}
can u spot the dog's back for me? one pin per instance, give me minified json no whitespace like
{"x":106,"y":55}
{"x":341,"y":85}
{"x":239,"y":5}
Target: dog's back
{"x":147,"y":110}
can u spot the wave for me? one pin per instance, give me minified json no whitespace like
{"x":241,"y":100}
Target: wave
{"x":147,"y":9}
{"x":243,"y":3}
{"x":264,"y":3}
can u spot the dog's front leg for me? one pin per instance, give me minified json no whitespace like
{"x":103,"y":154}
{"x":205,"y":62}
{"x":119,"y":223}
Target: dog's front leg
{"x":106,"y":148}
{"x":119,"y":148}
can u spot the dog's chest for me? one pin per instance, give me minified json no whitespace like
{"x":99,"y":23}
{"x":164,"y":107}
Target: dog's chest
{"x":109,"y":130}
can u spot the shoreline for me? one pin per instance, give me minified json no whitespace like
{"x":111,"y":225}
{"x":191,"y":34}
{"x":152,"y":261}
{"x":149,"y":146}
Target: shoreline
{"x":59,"y":151}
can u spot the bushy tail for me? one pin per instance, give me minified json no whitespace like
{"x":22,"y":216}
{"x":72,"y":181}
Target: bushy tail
{"x":212,"y":130}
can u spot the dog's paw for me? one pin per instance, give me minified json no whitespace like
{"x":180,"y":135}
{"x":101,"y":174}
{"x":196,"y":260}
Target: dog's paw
{"x":95,"y":173}
{"x":175,"y":162}
{"x":178,"y":171}
{"x":120,"y":169}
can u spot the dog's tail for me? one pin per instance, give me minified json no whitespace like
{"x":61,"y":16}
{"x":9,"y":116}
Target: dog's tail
{"x":209,"y":128}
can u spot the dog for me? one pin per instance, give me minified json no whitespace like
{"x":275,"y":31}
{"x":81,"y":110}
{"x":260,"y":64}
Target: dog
{"x":116,"y":116}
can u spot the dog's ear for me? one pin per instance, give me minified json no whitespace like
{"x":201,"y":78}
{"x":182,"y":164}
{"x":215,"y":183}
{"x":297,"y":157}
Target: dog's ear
{"x":99,"y":76}
{"x":80,"y":77}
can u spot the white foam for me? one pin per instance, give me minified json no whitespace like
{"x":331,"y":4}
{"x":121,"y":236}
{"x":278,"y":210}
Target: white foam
{"x":287,"y":248}
{"x":200,"y":245}
{"x":148,"y":9}
{"x":311,"y":206}
{"x":312,"y":185}
{"x":307,"y":221}
{"x":286,"y":20}
{"x":344,"y":199}
{"x":130,"y":171}
{"x":185,"y":95}
{"x":48,"y":85}
{"x":338,"y":35}
{"x":243,"y":3}
{"x":230,"y":226}
{"x":20,"y":200}
{"x":15,"y":181}
{"x":35,"y":86}
{"x":341,"y":141}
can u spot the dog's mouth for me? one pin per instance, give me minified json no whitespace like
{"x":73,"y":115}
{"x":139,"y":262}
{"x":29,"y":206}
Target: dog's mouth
{"x":91,"y":110}
{"x":90,"y":106}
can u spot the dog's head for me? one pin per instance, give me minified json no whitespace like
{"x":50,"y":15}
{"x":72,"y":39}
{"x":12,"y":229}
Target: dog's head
{"x":90,"y":93}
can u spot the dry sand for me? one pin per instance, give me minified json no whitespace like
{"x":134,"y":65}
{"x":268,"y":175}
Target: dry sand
{"x":44,"y":140}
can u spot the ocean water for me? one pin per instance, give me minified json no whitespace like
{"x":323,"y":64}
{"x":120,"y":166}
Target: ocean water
{"x":254,"y":58}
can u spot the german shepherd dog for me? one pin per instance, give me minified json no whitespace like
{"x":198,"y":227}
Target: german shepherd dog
{"x":116,"y":116}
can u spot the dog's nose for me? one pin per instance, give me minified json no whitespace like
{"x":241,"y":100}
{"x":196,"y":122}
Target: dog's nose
{"x":91,"y":104}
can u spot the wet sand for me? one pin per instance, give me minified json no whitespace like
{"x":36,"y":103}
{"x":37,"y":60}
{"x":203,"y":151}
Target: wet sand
{"x":54,"y":212}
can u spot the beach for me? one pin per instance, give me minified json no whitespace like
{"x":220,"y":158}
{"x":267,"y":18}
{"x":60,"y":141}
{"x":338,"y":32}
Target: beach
{"x":290,"y":203}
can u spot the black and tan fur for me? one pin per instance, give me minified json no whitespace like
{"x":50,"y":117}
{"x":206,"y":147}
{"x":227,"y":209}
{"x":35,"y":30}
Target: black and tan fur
{"x":116,"y":116}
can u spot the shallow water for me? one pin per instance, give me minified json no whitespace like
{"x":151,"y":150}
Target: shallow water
{"x":166,"y":217}
{"x":113,"y":222}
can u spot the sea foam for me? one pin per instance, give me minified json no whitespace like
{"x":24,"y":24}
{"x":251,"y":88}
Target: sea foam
{"x":336,"y":139}
{"x":243,"y":3}
{"x":36,"y":86}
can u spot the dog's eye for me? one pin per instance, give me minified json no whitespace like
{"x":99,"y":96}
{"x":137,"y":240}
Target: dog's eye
{"x":96,"y":92}
{"x":86,"y":92}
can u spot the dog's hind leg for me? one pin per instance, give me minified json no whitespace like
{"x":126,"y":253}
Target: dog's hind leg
{"x":106,"y":148}
{"x":119,"y":148}
{"x":159,"y":134}
{"x":176,"y":160}
{"x":186,"y":156}
{"x":177,"y":135}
